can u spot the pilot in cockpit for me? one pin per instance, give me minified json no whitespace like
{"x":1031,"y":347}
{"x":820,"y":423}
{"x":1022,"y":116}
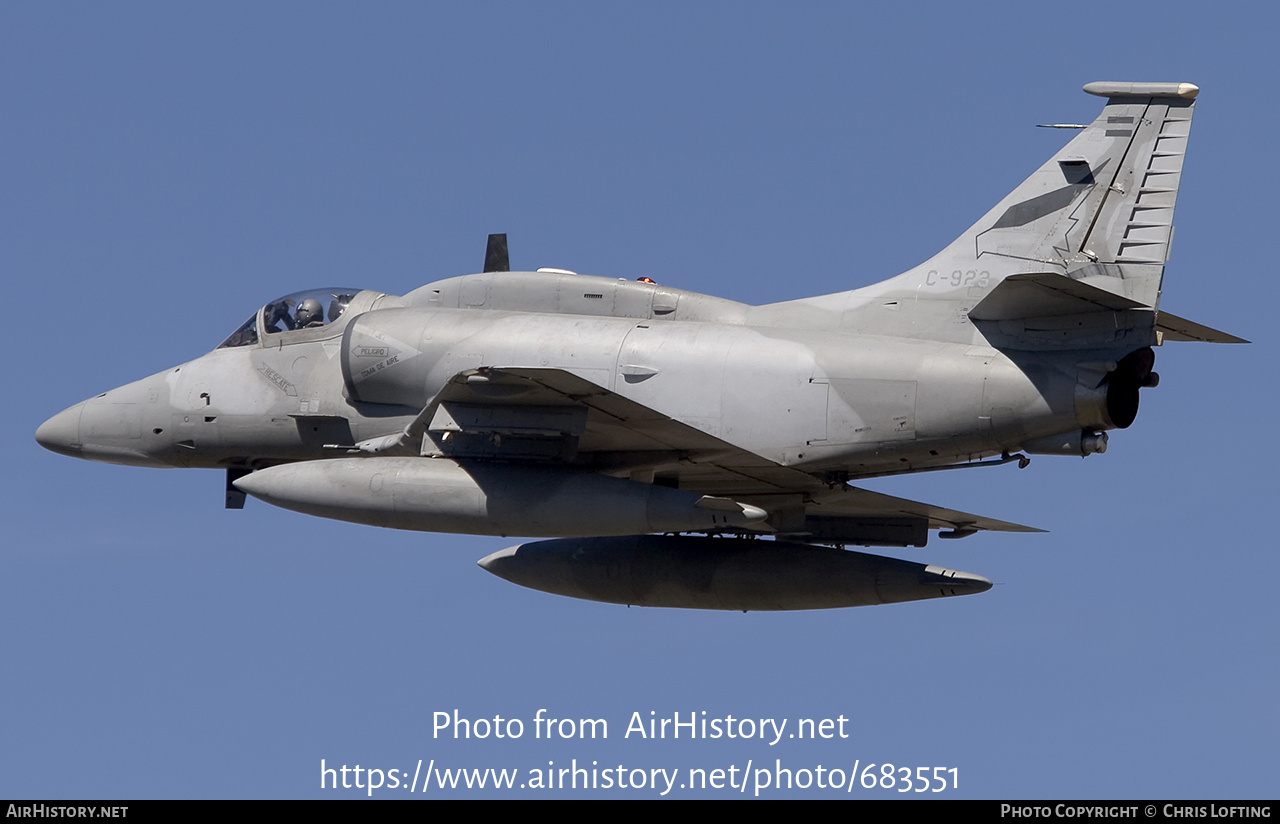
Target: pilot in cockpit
{"x":309,"y":315}
{"x":300,"y":310}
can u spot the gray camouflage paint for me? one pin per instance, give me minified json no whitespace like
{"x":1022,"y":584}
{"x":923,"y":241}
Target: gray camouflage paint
{"x":1030,"y":331}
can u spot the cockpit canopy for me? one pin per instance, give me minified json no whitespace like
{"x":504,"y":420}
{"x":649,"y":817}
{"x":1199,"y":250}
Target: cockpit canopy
{"x":309,"y":309}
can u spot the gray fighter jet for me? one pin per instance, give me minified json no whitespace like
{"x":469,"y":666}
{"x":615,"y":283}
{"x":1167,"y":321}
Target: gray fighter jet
{"x":659,"y":435}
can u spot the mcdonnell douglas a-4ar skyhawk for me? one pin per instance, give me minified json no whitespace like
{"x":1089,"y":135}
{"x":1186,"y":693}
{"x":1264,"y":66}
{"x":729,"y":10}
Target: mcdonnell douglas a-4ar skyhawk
{"x":618,"y":417}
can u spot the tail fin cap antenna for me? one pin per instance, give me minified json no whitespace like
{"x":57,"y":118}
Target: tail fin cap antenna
{"x":1187,"y":91}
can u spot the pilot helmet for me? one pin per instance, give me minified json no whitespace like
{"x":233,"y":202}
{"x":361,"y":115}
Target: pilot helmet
{"x":310,"y":313}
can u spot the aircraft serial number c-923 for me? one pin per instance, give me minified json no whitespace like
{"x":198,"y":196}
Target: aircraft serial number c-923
{"x":651,"y":432}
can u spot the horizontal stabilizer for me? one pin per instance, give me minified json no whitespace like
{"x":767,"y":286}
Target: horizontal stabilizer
{"x":1176,"y":328}
{"x":1046,"y":294}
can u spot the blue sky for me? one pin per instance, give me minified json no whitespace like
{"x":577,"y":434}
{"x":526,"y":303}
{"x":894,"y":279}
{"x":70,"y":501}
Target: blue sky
{"x":166,"y":169}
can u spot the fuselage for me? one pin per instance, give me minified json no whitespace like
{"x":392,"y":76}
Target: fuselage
{"x":601,"y":411}
{"x":798,"y":387}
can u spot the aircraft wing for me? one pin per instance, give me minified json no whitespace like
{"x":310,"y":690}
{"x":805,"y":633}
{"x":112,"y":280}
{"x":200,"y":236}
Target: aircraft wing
{"x":551,"y":414}
{"x":542,"y":415}
{"x":854,"y":502}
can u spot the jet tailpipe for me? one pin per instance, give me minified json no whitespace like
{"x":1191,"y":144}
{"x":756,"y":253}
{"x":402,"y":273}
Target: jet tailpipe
{"x":722,"y":573}
{"x":1113,"y":403}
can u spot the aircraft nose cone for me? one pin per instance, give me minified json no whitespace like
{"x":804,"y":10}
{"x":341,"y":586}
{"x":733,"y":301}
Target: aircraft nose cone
{"x":61,"y":433}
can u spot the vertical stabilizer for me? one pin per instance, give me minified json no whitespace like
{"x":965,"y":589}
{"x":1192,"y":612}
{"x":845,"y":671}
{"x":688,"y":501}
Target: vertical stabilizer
{"x":1099,"y":211}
